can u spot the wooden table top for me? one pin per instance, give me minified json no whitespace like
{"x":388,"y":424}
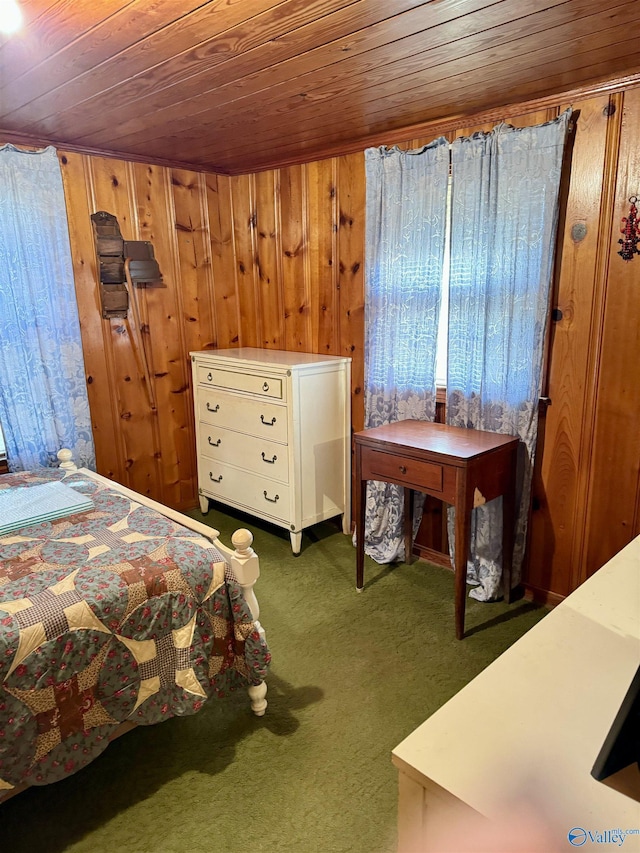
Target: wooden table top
{"x":443,"y":439}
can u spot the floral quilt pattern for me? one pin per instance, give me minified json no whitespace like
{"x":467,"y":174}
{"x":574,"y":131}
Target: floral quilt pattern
{"x":109,"y":616}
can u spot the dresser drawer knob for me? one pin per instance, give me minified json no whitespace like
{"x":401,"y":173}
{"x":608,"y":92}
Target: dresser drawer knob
{"x":216,"y":479}
{"x":209,"y":409}
{"x":209,"y":376}
{"x":214,"y":443}
{"x":270,"y":461}
{"x":268,"y":423}
{"x":403,"y":470}
{"x":265,"y":386}
{"x":271,"y":500}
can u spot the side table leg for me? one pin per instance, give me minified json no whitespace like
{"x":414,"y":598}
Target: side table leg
{"x":462,"y":533}
{"x":361,"y":499}
{"x":408,"y":524}
{"x":508,"y":528}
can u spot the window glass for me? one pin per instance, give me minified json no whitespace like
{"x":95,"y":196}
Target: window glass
{"x":443,"y":321}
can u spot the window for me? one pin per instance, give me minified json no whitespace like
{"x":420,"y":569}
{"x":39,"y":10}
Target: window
{"x":443,"y":322}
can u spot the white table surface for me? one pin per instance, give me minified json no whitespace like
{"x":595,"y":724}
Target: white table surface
{"x":532,"y":723}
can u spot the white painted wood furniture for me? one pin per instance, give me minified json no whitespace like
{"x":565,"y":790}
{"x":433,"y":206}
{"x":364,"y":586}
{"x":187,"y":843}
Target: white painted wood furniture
{"x":273,"y":435}
{"x":526,"y":732}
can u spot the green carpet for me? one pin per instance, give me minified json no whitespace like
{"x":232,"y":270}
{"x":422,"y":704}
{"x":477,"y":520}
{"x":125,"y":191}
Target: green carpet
{"x":352,"y":675}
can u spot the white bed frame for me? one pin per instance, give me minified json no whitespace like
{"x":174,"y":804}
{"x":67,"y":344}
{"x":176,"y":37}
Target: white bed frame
{"x":243,"y":560}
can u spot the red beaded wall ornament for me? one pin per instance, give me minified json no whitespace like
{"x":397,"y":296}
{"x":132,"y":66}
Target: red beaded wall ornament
{"x":631,"y":230}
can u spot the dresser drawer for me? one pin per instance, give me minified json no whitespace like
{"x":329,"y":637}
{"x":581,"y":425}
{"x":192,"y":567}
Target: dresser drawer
{"x":387,"y":466}
{"x":251,"y":383}
{"x":243,"y":489}
{"x":258,"y":455}
{"x":252,"y":417}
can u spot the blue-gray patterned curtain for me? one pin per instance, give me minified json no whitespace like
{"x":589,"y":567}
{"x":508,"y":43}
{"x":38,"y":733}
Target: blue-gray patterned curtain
{"x":43,"y":394}
{"x":504,"y":219}
{"x":406,"y":200}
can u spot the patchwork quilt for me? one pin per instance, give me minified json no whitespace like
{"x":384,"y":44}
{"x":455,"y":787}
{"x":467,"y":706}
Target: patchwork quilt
{"x":110,"y":616}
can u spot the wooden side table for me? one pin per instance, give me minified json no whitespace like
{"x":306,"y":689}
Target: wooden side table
{"x":462,"y":467}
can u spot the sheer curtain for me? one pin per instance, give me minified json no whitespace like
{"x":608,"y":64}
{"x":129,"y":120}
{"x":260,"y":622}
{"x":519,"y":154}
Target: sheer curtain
{"x":43,"y":394}
{"x":406,"y":199}
{"x":504,"y":219}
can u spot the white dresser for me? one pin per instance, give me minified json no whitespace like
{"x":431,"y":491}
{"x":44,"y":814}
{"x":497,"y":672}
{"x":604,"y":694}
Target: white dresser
{"x":273,"y":435}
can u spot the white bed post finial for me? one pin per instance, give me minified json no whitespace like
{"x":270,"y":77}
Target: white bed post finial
{"x":65,"y":457}
{"x":246,"y":569}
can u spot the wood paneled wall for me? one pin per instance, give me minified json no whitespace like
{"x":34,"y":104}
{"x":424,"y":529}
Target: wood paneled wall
{"x":273,"y":259}
{"x":587,"y":487}
{"x":276,"y":259}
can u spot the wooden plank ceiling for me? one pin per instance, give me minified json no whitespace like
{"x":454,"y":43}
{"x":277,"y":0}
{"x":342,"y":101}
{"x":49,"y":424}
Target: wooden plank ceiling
{"x":236,"y":86}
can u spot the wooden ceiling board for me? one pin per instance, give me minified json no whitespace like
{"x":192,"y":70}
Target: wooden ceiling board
{"x":477,"y":54}
{"x":179,"y":31}
{"x":189,"y":80}
{"x":364,"y":100}
{"x":65,"y":41}
{"x":359,"y":52}
{"x":414,"y":74}
{"x":316,"y":146}
{"x":49,"y":26}
{"x":237,"y":86}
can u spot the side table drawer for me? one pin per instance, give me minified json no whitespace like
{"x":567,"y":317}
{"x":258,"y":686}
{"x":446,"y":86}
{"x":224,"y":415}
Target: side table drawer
{"x":378,"y":465}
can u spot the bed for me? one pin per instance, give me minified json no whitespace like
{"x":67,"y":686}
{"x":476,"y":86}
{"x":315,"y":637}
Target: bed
{"x":124,"y":614}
